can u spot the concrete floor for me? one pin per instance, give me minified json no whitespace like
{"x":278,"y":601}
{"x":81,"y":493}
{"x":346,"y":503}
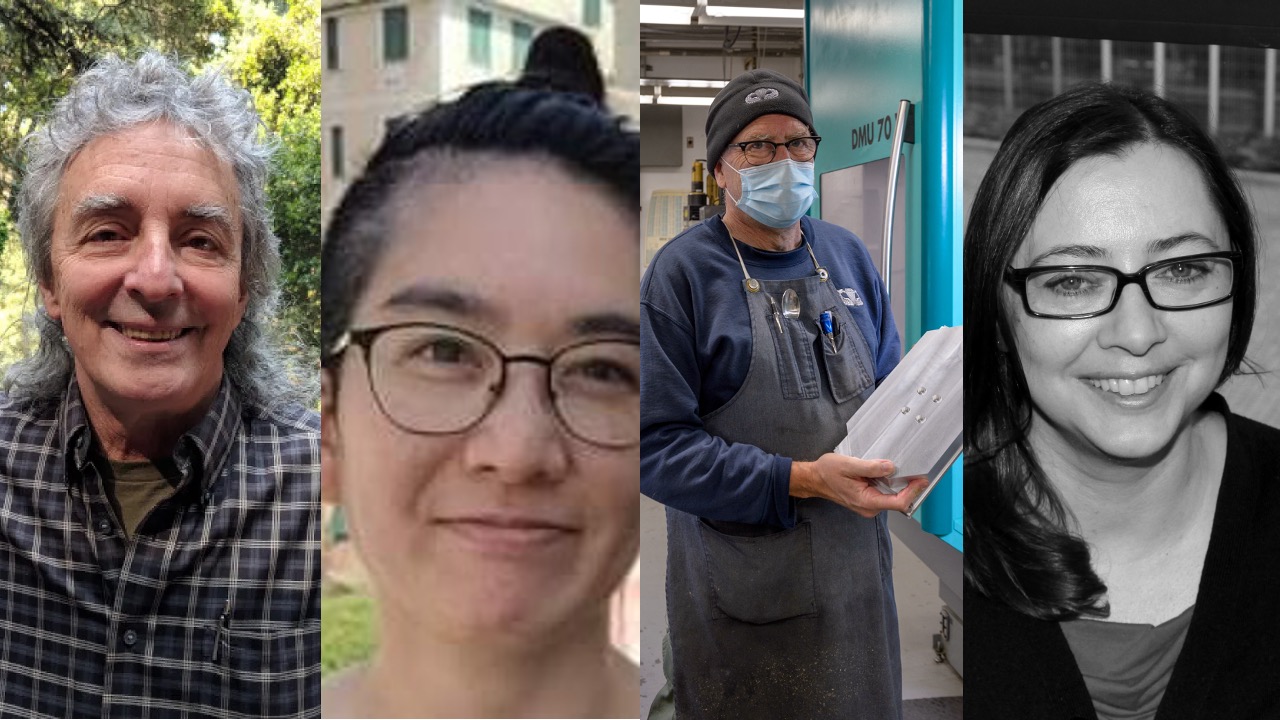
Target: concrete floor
{"x":915,"y":587}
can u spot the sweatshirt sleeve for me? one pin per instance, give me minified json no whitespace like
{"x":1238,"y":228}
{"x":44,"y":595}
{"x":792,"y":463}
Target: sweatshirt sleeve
{"x":681,"y":464}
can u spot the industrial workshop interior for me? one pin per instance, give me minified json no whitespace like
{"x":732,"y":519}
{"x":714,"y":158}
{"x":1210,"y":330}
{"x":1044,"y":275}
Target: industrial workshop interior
{"x":861,"y":64}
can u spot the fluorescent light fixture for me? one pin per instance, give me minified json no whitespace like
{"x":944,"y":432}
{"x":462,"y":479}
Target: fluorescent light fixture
{"x":751,"y":12}
{"x":665,"y":14}
{"x":721,"y":15}
{"x":674,"y":100}
{"x":672,"y":83}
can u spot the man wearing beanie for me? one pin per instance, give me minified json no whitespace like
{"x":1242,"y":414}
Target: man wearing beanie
{"x":762,"y":333}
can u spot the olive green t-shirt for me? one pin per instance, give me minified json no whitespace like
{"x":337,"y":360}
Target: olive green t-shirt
{"x":138,"y":487}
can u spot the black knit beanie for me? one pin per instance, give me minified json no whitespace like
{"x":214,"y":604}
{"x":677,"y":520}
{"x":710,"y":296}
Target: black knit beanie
{"x":747,"y":97}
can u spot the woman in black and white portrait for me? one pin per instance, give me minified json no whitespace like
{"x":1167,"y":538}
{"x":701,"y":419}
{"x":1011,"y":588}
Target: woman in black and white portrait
{"x":1121,"y":521}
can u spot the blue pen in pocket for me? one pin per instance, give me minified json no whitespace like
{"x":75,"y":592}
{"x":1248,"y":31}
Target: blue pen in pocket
{"x":825,"y":320}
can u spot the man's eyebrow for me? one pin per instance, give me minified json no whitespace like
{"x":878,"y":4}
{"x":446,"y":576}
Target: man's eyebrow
{"x":1170,"y":243}
{"x":93,"y":204}
{"x":607,"y":324}
{"x":217,"y":213}
{"x":787,"y":137}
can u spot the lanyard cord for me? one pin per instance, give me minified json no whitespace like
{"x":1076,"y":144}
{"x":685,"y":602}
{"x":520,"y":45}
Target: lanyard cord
{"x":822,"y":272}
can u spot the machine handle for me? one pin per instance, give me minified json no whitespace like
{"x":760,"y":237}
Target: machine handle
{"x":895,"y":157}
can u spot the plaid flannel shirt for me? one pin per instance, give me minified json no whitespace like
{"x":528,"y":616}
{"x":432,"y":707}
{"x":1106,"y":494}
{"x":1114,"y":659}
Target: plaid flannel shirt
{"x":212,"y":608}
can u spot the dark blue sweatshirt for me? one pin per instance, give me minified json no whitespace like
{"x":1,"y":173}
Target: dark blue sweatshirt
{"x":695,"y":337}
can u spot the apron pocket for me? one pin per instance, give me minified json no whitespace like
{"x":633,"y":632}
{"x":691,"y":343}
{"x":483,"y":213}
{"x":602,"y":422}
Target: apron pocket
{"x":760,"y":579}
{"x":846,"y":365}
{"x":796,"y":371}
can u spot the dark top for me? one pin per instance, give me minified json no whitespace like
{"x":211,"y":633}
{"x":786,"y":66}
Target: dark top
{"x":695,"y":352}
{"x":1019,"y":667}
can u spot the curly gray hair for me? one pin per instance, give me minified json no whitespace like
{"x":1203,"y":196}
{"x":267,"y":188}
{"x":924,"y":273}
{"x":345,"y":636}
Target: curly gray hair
{"x":115,"y":95}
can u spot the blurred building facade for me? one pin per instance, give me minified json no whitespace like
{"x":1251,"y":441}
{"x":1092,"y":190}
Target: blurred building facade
{"x":1230,"y":90}
{"x":384,"y":58}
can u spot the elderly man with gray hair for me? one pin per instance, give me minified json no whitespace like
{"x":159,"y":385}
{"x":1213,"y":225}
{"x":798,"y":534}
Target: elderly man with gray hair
{"x":159,"y":476}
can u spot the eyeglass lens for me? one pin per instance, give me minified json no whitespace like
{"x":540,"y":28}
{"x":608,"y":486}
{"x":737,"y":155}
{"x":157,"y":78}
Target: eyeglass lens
{"x":1175,"y":284}
{"x":763,"y":151}
{"x":435,"y":380}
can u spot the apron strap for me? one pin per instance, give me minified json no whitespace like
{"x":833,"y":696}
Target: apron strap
{"x":751,"y":283}
{"x":822,"y":272}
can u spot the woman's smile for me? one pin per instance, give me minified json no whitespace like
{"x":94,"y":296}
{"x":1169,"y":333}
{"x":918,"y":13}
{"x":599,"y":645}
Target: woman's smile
{"x":1129,"y":386}
{"x":1129,"y":393}
{"x":509,"y":533}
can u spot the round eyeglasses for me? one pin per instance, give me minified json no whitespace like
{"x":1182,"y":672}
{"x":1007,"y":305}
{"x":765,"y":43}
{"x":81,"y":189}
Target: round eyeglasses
{"x":762,"y":152}
{"x":432,"y":379}
{"x":1073,"y":292}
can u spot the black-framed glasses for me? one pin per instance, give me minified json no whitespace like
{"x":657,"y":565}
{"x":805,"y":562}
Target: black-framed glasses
{"x":433,"y":379}
{"x":1073,"y":292}
{"x":762,"y":152}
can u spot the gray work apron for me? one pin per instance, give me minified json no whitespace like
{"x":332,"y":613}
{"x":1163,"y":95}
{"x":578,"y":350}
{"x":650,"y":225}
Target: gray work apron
{"x":767,"y":622}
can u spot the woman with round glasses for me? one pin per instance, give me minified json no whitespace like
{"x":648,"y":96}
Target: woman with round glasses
{"x":481,"y":406}
{"x":1121,"y":523}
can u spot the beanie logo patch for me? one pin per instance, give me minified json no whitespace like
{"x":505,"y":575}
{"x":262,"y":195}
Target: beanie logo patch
{"x":756,"y":96}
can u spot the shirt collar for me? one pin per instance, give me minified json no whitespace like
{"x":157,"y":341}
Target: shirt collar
{"x":764,"y":258}
{"x":207,"y":445}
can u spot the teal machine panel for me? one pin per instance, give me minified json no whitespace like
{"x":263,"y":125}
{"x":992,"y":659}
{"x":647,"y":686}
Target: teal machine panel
{"x":862,"y":58}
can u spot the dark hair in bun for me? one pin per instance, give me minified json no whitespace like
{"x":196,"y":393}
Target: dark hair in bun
{"x":552,"y":114}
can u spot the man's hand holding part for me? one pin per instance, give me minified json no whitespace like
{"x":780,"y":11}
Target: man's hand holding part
{"x":848,"y":481}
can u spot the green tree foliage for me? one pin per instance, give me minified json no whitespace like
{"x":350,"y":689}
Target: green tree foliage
{"x":277,"y":57}
{"x":44,"y":44}
{"x":17,"y":297}
{"x":295,"y":198}
{"x":348,"y":631}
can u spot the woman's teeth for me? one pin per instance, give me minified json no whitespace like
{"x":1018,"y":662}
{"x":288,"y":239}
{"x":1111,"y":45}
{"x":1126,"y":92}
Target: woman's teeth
{"x":1125,"y":386}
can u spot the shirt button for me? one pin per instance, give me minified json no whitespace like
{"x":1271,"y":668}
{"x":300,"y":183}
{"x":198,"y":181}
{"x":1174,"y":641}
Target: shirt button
{"x":104,"y":526}
{"x":130,"y":637}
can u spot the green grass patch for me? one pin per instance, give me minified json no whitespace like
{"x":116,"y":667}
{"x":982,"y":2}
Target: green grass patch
{"x":347,"y":631}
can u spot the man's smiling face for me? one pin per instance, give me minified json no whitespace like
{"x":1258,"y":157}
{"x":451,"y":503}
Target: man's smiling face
{"x":146,"y":259}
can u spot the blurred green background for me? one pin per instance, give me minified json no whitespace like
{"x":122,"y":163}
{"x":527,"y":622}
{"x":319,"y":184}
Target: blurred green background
{"x":348,"y":630}
{"x":271,"y":48}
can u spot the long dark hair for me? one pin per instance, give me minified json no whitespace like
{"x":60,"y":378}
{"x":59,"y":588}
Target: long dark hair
{"x":530,"y":119}
{"x":1017,"y":548}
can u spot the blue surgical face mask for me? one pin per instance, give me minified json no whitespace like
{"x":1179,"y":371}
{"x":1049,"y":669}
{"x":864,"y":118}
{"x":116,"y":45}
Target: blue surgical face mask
{"x":777,"y":194}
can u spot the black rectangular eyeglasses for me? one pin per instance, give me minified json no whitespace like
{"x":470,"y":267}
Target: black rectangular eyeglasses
{"x":1073,"y":292}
